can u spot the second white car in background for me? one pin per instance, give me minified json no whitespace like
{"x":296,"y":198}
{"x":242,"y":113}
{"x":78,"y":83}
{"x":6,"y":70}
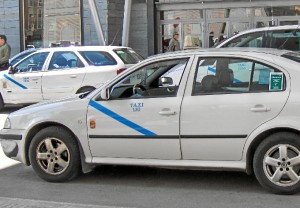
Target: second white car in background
{"x":53,"y":73}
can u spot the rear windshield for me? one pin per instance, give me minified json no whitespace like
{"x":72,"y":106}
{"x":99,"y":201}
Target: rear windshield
{"x":292,"y":56}
{"x":98,"y":58}
{"x":128,"y":56}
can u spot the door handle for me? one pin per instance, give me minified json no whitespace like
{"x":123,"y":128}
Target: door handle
{"x":73,"y":76}
{"x":35,"y":79}
{"x":260,"y":108}
{"x":167,"y":112}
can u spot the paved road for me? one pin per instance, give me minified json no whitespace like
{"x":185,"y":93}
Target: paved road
{"x":118,"y":186}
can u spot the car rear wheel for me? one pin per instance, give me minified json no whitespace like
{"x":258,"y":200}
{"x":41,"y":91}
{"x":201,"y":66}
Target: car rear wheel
{"x":277,"y":163}
{"x":54,"y":155}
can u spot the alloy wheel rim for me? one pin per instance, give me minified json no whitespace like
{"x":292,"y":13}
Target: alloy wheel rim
{"x":282,"y":165}
{"x":53,"y":156}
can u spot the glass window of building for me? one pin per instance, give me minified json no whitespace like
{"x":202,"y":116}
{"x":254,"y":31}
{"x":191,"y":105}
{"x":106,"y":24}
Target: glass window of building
{"x":51,"y":23}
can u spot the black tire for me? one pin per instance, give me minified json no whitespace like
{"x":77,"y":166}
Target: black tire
{"x":276,"y":163}
{"x":1,"y":103}
{"x":59,"y":156}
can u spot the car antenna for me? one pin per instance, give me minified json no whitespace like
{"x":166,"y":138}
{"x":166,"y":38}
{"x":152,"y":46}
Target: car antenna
{"x":294,"y":33}
{"x":115,"y":37}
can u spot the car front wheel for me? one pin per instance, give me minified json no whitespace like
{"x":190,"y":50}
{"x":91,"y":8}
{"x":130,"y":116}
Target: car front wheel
{"x":54,"y":155}
{"x":277,"y":163}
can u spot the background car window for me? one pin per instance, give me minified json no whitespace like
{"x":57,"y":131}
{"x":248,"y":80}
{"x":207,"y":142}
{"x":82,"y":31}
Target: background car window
{"x":98,"y":58}
{"x":65,"y":60}
{"x":32,"y":63}
{"x":230,"y":75}
{"x":285,"y":39}
{"x":128,"y":56}
{"x":160,"y":79}
{"x":247,"y":40}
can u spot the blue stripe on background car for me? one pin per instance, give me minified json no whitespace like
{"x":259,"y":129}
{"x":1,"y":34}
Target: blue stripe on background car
{"x":14,"y":81}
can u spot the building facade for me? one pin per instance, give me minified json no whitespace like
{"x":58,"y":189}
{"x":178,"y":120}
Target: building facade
{"x":44,"y":23}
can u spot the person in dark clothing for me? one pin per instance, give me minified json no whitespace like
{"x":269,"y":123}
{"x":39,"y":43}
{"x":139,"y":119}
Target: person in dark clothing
{"x":5,"y":50}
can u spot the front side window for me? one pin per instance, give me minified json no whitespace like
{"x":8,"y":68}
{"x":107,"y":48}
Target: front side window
{"x":65,"y":60}
{"x":234,"y":75}
{"x":159,"y":79}
{"x":98,"y":58}
{"x":32,"y":63}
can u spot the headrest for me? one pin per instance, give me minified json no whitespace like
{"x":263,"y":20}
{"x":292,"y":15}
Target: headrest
{"x":209,"y":83}
{"x":225,"y":77}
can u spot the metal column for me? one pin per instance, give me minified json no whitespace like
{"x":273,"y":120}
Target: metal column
{"x":126,"y":22}
{"x":96,"y":19}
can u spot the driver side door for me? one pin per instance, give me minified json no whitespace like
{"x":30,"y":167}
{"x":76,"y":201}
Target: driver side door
{"x":141,"y":118}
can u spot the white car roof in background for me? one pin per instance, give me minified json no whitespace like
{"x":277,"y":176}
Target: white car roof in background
{"x":83,"y":48}
{"x":286,"y":27}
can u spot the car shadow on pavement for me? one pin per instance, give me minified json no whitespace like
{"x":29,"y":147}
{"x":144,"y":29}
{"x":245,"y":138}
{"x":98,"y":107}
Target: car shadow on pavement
{"x":182,"y":179}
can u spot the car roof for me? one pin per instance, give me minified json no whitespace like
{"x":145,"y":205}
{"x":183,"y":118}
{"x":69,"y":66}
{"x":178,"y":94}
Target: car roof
{"x":82,"y":48}
{"x":285,"y":27}
{"x":224,"y":51}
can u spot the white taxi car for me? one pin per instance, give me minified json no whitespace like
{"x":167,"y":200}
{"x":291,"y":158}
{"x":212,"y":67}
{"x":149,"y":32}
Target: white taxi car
{"x":222,"y":109}
{"x":53,"y":73}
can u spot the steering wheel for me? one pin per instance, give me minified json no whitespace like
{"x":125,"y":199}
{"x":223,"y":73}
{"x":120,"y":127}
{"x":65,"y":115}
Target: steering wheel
{"x":139,"y":89}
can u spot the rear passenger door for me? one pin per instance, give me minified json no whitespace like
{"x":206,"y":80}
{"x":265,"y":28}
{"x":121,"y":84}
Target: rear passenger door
{"x":63,"y":76}
{"x":226,"y":99}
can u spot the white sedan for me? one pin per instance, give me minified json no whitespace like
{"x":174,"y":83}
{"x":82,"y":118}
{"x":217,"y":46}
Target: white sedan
{"x":228,"y":109}
{"x":53,"y":73}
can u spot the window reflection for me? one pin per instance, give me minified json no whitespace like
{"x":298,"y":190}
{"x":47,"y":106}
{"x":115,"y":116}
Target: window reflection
{"x":51,"y":23}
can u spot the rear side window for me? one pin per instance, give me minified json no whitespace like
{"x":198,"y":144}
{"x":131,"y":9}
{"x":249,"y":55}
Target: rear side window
{"x":220,"y":75}
{"x":98,"y":58}
{"x":284,"y":39}
{"x":128,"y":56}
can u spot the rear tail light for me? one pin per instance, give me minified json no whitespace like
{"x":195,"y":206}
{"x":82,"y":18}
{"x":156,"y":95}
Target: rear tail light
{"x":119,"y":71}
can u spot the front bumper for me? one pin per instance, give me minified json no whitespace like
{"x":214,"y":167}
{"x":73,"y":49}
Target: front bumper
{"x":11,"y":142}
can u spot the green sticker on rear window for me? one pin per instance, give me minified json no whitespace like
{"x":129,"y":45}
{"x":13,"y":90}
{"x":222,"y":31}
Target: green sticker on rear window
{"x":276,"y":81}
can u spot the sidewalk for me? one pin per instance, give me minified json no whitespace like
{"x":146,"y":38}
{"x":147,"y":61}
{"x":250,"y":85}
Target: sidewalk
{"x":28,"y":203}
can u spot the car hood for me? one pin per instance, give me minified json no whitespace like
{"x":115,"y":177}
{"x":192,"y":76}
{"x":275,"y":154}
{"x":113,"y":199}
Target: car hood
{"x":48,"y":105}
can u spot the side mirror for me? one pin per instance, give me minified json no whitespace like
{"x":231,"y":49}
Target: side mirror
{"x":11,"y":70}
{"x":165,"y":81}
{"x":104,"y":94}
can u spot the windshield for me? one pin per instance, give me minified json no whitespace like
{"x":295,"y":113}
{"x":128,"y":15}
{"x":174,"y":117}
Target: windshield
{"x":292,"y":56}
{"x":128,"y":56}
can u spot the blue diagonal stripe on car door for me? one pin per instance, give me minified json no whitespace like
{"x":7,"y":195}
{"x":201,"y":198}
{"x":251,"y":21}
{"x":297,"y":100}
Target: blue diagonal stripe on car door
{"x":14,"y":81}
{"x":121,"y":119}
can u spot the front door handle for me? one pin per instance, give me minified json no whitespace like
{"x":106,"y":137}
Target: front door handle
{"x":167,"y":112}
{"x":73,"y":76}
{"x":260,"y":108}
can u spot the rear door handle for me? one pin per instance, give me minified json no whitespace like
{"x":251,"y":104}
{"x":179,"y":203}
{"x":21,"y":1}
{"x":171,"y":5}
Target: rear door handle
{"x":167,"y":112}
{"x":73,"y":76}
{"x":35,"y":79}
{"x":260,"y":108}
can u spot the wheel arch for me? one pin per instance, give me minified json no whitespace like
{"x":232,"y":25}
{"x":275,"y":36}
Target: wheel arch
{"x":33,"y":131}
{"x":258,"y":139}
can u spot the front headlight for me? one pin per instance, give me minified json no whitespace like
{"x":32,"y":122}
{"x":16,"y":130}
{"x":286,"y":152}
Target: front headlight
{"x":7,"y":124}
